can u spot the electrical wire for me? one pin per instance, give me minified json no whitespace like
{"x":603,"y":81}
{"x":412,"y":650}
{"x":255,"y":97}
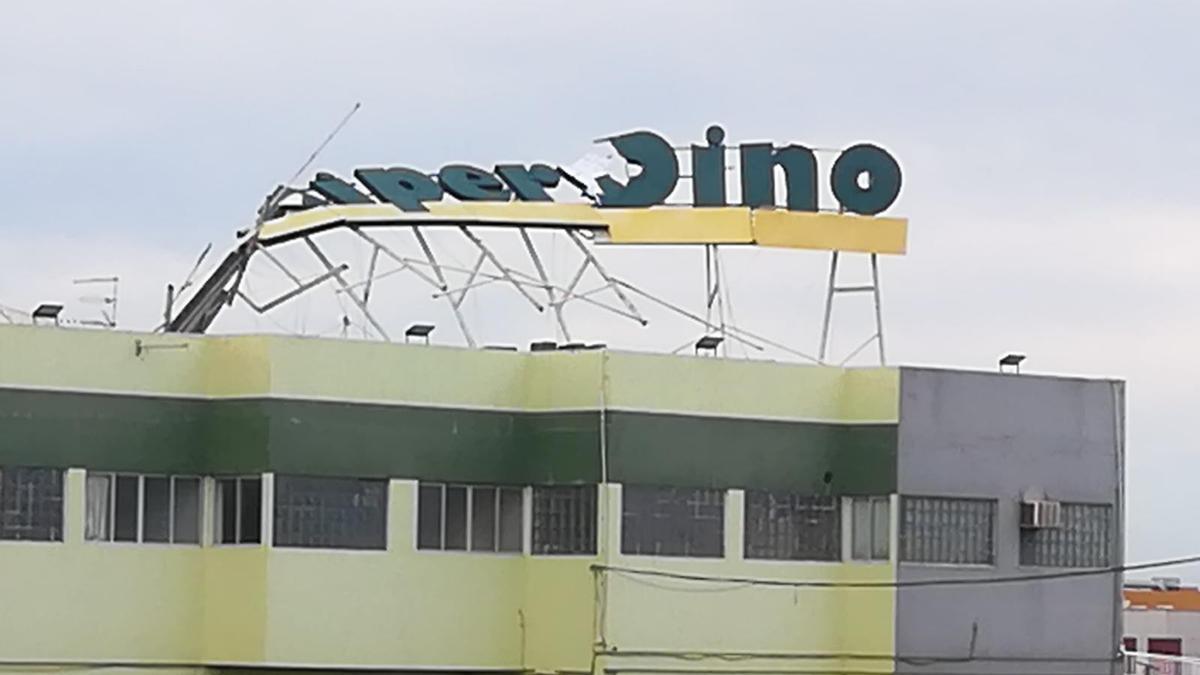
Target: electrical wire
{"x":914,"y":583}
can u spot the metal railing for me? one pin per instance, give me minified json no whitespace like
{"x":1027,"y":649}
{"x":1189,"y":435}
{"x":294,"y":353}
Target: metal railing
{"x":1145,"y":663}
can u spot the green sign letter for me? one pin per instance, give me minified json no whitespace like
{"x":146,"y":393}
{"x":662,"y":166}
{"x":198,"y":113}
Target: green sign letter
{"x":883,"y":179}
{"x":529,"y":185}
{"x":471,"y":184}
{"x":758,"y":175}
{"x":403,"y":187}
{"x":660,"y":171}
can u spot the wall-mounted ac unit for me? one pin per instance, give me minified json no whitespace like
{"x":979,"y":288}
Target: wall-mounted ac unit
{"x":1041,"y":513}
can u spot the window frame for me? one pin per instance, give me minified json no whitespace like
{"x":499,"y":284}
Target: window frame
{"x":273,"y":514}
{"x":62,"y":509}
{"x":140,"y":540}
{"x":890,"y":525}
{"x":217,"y":510}
{"x":469,"y":516}
{"x":691,"y":525}
{"x":597,"y":505}
{"x":1110,"y":529}
{"x":993,"y":536}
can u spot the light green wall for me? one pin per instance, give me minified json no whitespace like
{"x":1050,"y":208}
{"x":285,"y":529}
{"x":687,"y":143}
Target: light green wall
{"x":347,"y":370}
{"x":657,"y":622}
{"x":402,"y":608}
{"x":79,"y":600}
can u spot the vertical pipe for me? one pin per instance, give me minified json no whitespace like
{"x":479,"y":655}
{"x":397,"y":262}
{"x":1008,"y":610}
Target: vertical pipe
{"x":878,"y":308}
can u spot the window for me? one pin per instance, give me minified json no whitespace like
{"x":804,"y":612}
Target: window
{"x":949,"y":531}
{"x":238,"y":510}
{"x":870,"y":528}
{"x":1083,"y":540}
{"x":673,"y":521}
{"x":787,"y":526}
{"x":1129,"y":645}
{"x":480,"y":518}
{"x":330,"y":512}
{"x":564,"y":519}
{"x":31,"y":504}
{"x":147,"y":509}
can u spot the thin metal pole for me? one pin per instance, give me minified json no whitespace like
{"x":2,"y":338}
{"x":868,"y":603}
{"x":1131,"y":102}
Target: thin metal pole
{"x":370,"y":281}
{"x":708,"y":294}
{"x":541,"y":270}
{"x":499,"y":266}
{"x":833,"y":265}
{"x":878,"y":307}
{"x":337,"y":275}
{"x":616,"y":285}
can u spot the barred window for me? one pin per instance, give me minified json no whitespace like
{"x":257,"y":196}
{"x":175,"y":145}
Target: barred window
{"x":786,"y":526}
{"x":870,"y":528}
{"x":330,"y":512}
{"x":470,"y":517}
{"x":564,"y":519}
{"x":673,"y":521}
{"x":148,"y":509}
{"x":1083,"y":540}
{"x":238,"y":510}
{"x":31,"y":504}
{"x":948,"y":530}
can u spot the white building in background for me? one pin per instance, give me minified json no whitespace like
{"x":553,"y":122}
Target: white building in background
{"x":1162,"y":617}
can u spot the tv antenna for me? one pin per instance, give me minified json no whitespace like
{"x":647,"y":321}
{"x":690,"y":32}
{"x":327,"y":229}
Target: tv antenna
{"x":107,"y":302}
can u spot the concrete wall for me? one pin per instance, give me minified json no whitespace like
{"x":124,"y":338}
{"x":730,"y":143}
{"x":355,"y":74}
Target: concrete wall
{"x":994,"y":436}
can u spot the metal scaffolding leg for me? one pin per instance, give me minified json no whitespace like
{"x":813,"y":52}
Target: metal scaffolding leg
{"x":713,"y":299}
{"x":832,"y":291}
{"x":337,"y":275}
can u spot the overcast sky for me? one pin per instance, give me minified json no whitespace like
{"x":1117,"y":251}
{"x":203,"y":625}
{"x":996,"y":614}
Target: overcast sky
{"x":1049,"y":154}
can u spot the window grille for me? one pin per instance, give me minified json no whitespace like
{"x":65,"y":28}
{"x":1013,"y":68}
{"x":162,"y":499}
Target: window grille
{"x":330,"y":512}
{"x":788,"y":526}
{"x":948,"y":530}
{"x":564,"y":520}
{"x":31,"y":504}
{"x":672,"y":521}
{"x":1083,"y":540}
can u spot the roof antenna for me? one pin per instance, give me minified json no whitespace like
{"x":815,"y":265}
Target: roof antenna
{"x":272,"y":203}
{"x":268,"y":209}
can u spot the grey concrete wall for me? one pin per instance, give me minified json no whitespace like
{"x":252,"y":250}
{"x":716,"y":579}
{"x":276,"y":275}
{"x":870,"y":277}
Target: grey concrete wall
{"x":995,"y":436}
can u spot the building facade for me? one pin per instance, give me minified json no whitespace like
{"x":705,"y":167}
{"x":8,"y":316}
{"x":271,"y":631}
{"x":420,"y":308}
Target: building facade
{"x":201,"y":504}
{"x":1162,"y":617}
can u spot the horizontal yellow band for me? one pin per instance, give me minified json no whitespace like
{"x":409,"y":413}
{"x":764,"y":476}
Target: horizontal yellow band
{"x":777,"y":228}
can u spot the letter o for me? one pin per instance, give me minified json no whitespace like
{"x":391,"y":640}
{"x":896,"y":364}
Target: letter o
{"x":884,"y":179}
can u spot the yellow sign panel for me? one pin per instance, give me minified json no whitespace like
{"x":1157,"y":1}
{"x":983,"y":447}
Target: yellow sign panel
{"x":665,"y":225}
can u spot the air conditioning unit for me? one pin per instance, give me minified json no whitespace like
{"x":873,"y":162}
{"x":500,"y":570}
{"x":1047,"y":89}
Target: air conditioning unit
{"x":1040,"y":513}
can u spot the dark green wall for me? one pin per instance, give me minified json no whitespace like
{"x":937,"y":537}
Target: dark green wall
{"x":159,"y":435}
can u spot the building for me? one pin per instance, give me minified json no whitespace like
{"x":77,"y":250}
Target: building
{"x":187,"y":504}
{"x":1162,"y":617}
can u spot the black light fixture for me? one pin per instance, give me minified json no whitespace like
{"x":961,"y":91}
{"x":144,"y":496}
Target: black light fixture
{"x":543,"y":346}
{"x":418,"y":330}
{"x":709,"y":344}
{"x":1011,"y":361}
{"x":48,"y":311}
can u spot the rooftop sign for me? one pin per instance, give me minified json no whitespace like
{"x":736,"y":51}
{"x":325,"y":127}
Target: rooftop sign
{"x":864,"y":179}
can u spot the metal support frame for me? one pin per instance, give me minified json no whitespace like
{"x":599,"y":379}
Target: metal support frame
{"x":716,"y":319}
{"x":713,"y":299}
{"x":833,"y":290}
{"x":346,"y":287}
{"x":300,"y":288}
